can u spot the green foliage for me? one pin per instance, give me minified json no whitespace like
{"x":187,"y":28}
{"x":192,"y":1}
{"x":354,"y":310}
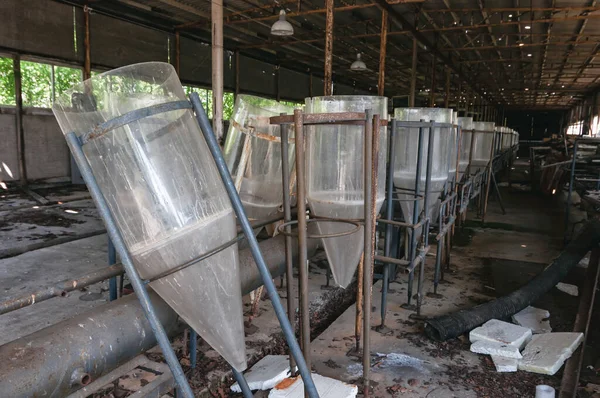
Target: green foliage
{"x":36,"y":83}
{"x":207,"y":100}
{"x":7,"y":82}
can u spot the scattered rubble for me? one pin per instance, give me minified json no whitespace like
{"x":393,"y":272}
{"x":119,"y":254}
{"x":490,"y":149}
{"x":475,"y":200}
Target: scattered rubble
{"x":536,"y":319}
{"x":546,"y":353}
{"x":504,"y":364}
{"x":293,"y":387}
{"x":501,"y":332}
{"x":266,"y":373}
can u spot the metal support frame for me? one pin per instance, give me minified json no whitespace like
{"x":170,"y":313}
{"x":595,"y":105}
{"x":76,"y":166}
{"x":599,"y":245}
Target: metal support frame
{"x":372,"y":124}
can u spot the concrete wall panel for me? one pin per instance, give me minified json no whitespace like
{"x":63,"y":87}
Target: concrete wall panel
{"x":46,"y":151}
{"x":9,"y":162}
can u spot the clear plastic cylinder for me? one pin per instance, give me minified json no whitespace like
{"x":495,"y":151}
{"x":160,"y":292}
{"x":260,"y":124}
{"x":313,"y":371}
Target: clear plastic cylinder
{"x":466,"y":125}
{"x":335,"y":183}
{"x":165,"y":195}
{"x":407,"y":147}
{"x":483,"y":140}
{"x":252,"y":151}
{"x":453,"y":148}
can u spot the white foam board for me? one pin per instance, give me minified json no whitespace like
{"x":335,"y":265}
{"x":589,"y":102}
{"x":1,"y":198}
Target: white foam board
{"x":495,"y":348}
{"x":533,"y":318}
{"x":501,"y":332}
{"x":327,"y":388}
{"x":266,"y":373}
{"x":504,"y":364}
{"x":547,"y":352}
{"x":569,"y":289}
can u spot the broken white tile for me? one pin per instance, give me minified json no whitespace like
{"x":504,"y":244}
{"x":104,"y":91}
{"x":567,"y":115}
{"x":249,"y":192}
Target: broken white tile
{"x":501,"y":332}
{"x":533,"y":318}
{"x":266,"y":373}
{"x":569,"y":289}
{"x":547,"y":352}
{"x":495,"y":348}
{"x":327,"y":388}
{"x":504,"y":364}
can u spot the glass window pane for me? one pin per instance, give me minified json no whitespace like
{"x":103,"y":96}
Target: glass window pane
{"x":36,"y":82}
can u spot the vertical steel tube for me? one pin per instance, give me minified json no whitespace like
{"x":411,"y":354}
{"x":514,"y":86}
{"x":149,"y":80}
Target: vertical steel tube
{"x":216,"y":13}
{"x":369,"y":168}
{"x":194,"y":348}
{"x":490,"y":170}
{"x":359,"y":303}
{"x":287,"y":217}
{"x":112,"y":282}
{"x":177,"y":53}
{"x":241,"y":380}
{"x":19,"y":120}
{"x":413,"y":75}
{"x":415,"y":217}
{"x":433,"y":82}
{"x":138,"y":285}
{"x":327,"y":75}
{"x":87,"y":57}
{"x":425,"y":240}
{"x":382,"y":52}
{"x":288,"y":332}
{"x":570,"y":193}
{"x":389,"y":215}
{"x":302,"y":233}
{"x":237,"y":73}
{"x":447,"y":97}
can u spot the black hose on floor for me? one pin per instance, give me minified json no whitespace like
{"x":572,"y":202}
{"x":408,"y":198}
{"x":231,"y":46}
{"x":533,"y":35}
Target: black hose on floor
{"x":449,"y":326}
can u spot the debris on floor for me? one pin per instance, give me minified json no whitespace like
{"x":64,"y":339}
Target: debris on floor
{"x":504,"y":364}
{"x":536,"y":319}
{"x":266,"y":373}
{"x":496,"y":349}
{"x":547,"y":352}
{"x":293,"y":387}
{"x":567,"y":288}
{"x":501,"y":332}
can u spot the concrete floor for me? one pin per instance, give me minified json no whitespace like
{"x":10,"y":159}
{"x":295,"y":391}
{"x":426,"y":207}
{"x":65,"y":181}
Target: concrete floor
{"x":531,"y":232}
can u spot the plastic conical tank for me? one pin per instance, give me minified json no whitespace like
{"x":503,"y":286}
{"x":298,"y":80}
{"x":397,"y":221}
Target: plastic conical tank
{"x":257,"y":171}
{"x":335,"y":183}
{"x":466,"y":125}
{"x":405,"y":164}
{"x":483,"y":139}
{"x":165,"y":195}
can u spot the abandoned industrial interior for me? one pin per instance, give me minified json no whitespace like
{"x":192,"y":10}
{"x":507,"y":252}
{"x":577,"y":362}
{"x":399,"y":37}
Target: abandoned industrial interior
{"x":256,"y":198}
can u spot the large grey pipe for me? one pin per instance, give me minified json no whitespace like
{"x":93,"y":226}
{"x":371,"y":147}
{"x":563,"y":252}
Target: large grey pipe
{"x":51,"y":362}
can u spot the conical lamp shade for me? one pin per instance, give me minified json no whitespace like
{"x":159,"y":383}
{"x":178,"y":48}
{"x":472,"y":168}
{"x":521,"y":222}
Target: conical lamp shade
{"x":165,"y":195}
{"x":335,"y":178}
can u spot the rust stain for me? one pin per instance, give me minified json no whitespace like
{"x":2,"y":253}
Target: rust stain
{"x":286,"y":383}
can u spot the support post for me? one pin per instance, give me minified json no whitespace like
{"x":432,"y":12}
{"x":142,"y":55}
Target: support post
{"x":382,"y":53}
{"x":19,"y":120}
{"x":447,"y":99}
{"x":433,"y":83}
{"x":237,"y":73}
{"x":217,"y":66}
{"x":413,"y":75}
{"x":177,"y":53}
{"x":328,"y":79}
{"x":87,"y":57}
{"x":310,"y":84}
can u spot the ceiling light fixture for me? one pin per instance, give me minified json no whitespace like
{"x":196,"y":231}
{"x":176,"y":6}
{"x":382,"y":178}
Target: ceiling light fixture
{"x":527,"y":27}
{"x":521,"y":44}
{"x":529,"y":55}
{"x":358,"y":65}
{"x":282,"y":27}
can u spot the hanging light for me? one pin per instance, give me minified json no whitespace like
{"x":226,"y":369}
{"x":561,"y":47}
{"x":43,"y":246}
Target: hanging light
{"x":358,"y":65}
{"x":282,"y":27}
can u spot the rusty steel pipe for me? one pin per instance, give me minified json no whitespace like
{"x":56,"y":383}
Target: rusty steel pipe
{"x":104,"y":338}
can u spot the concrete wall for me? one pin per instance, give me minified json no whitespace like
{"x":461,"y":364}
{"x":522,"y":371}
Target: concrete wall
{"x":46,"y":152}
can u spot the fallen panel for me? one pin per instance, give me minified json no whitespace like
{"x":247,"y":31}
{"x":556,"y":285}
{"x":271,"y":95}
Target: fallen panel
{"x":567,"y":288}
{"x":504,"y":364}
{"x":327,"y":388}
{"x":533,"y":318}
{"x":496,"y":349}
{"x":501,"y":332}
{"x":266,"y":373}
{"x":546,"y":353}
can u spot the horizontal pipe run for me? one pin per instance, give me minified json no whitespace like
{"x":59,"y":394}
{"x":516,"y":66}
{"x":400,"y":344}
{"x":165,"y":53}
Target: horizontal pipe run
{"x":61,"y":289}
{"x":104,"y":338}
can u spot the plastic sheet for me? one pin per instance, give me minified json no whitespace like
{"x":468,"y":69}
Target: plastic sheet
{"x":253,"y":154}
{"x":335,"y":184}
{"x":482,"y":146}
{"x":166,"y":196}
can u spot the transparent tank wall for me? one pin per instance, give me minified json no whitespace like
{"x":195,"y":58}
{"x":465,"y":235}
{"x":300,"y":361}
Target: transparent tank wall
{"x":257,"y":172}
{"x":453,"y":148}
{"x":466,"y":125}
{"x":407,"y":147}
{"x":165,"y":194}
{"x":482,"y":146}
{"x":335,"y":186}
